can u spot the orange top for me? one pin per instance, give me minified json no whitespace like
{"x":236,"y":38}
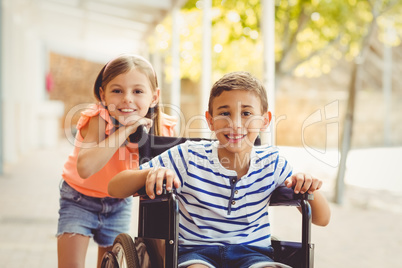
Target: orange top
{"x":96,"y":185}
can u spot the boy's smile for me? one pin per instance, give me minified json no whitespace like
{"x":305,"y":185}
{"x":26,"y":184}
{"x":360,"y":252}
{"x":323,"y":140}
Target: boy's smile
{"x":237,"y":119}
{"x":235,"y":138}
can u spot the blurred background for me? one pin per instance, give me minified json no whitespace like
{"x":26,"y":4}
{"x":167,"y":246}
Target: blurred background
{"x":331,"y":69}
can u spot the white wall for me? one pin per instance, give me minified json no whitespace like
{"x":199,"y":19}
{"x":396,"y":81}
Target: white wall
{"x":23,"y":83}
{"x":32,"y":28}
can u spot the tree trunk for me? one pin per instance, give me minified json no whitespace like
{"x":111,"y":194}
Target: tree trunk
{"x":346,"y":135}
{"x":349,"y":116}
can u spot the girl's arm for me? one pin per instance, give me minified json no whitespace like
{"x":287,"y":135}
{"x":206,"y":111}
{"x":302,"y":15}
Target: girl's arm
{"x":97,"y":149}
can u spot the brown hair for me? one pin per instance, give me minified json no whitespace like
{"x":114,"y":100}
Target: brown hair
{"x":123,"y":64}
{"x":239,"y":81}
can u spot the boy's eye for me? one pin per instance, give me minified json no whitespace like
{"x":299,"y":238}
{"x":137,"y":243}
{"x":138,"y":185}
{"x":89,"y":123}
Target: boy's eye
{"x":224,"y":114}
{"x":247,"y":113}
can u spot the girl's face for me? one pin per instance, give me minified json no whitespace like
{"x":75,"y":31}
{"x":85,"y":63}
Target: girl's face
{"x":129,"y":94}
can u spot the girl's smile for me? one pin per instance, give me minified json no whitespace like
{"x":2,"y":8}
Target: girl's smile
{"x":126,"y":110}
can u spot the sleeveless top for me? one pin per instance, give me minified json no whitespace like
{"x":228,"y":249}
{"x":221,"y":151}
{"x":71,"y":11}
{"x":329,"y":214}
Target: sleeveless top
{"x":123,"y":159}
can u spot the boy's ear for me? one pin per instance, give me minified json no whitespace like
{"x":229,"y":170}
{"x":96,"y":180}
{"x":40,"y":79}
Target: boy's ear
{"x":210,"y":120}
{"x":267,"y":119}
{"x":155,"y":98}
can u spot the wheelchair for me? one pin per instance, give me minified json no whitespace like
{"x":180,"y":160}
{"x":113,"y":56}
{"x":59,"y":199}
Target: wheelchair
{"x":158,"y":226}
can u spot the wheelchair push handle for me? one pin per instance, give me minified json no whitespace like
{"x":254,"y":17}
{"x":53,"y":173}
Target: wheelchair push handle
{"x":143,"y":194}
{"x":164,"y":191}
{"x":305,"y":196}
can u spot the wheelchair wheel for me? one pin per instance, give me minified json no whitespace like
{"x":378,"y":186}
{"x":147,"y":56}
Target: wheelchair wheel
{"x":123,"y":254}
{"x":109,"y":260}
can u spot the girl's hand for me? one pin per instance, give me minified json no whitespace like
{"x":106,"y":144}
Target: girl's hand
{"x":133,"y":122}
{"x":155,"y":179}
{"x":303,"y":183}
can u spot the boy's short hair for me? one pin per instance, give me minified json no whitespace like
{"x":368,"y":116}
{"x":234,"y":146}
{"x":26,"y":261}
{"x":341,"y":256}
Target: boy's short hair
{"x":239,"y":81}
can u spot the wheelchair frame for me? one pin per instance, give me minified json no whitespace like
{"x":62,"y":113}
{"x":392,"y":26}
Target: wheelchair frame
{"x":161,"y":241}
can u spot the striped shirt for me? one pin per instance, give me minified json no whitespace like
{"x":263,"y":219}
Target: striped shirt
{"x":216,"y":208}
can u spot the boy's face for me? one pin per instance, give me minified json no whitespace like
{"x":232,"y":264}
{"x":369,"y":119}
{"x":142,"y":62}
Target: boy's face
{"x":237,"y":120}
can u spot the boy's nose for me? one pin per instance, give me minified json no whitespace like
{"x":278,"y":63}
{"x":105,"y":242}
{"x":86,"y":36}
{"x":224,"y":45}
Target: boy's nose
{"x":236,"y":122}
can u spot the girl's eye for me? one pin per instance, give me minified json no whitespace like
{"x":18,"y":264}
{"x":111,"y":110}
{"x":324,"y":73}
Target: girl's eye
{"x":137,"y":91}
{"x":116,"y":90}
{"x":246,"y":113}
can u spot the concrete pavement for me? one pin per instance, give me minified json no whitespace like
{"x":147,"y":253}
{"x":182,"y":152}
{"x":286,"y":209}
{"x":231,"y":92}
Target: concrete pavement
{"x":29,"y":210}
{"x":365,"y":232}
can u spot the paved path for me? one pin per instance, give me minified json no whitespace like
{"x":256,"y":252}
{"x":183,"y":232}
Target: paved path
{"x":29,"y":211}
{"x":362,"y":233}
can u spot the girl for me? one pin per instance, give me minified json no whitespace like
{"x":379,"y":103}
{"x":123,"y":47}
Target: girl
{"x":128,"y":92}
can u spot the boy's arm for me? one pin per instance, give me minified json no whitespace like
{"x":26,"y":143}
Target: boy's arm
{"x":127,"y":183}
{"x":303,"y":183}
{"x":321,"y":212}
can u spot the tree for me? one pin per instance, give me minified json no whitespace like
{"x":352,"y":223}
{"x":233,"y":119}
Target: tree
{"x":378,"y":9}
{"x":311,"y":37}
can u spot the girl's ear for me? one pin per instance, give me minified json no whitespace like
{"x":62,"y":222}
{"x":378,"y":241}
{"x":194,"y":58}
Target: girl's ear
{"x":210,"y":120}
{"x":102,"y":95}
{"x":155,"y":98}
{"x":267,"y":119}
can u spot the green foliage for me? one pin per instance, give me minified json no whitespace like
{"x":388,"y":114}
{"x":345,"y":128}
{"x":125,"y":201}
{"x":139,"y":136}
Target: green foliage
{"x":310,"y":36}
{"x":313,"y":35}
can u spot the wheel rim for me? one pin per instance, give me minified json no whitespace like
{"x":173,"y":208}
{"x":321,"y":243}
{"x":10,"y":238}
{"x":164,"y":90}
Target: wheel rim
{"x":109,"y":261}
{"x":124,"y":251}
{"x":120,"y":256}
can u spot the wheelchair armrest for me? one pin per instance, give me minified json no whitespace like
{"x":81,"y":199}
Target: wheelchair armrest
{"x":160,"y":216}
{"x":284,"y":196}
{"x":158,"y":224}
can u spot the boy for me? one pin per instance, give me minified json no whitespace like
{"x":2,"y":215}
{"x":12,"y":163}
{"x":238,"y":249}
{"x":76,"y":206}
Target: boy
{"x":224,"y":186}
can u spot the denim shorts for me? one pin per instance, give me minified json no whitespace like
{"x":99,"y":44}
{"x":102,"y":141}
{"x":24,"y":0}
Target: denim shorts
{"x":227,"y":256}
{"x":100,"y":218}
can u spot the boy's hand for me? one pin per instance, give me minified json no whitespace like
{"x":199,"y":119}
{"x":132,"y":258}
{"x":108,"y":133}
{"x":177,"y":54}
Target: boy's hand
{"x":156,"y":176}
{"x":303,"y":183}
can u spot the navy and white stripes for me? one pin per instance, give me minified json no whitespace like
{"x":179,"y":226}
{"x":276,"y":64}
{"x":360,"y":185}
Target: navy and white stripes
{"x":215,"y":207}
